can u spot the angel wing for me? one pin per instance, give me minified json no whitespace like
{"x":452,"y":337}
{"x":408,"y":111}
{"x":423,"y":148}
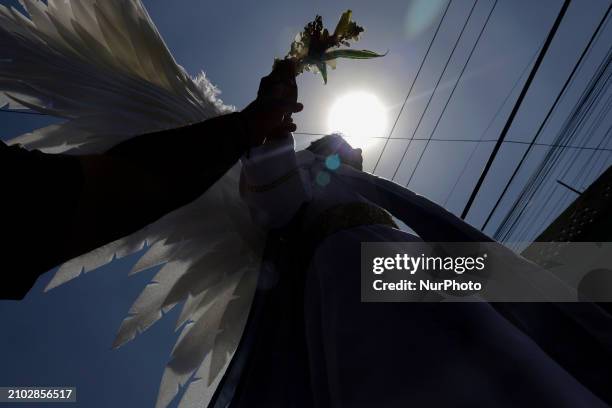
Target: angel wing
{"x":103,"y":67}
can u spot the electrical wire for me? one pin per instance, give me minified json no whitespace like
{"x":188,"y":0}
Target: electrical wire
{"x":433,"y":39}
{"x":510,"y":121}
{"x":450,"y":97}
{"x":547,"y":117}
{"x":467,"y":20}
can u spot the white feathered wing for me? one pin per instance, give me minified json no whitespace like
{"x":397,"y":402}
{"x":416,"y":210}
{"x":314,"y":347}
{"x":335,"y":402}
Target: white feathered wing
{"x":103,"y":67}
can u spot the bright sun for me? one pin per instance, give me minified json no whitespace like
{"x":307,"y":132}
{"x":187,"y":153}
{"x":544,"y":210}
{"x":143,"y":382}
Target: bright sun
{"x":360,"y":116}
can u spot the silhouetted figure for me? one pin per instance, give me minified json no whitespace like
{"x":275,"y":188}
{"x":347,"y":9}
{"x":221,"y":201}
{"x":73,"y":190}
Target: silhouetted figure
{"x":312,"y":341}
{"x":75,"y":204}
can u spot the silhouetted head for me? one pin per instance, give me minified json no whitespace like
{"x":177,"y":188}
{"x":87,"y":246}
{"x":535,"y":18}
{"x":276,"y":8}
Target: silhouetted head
{"x":335,"y":144}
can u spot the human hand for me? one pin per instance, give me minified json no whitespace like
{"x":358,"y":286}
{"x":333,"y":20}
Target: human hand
{"x":269,"y":116}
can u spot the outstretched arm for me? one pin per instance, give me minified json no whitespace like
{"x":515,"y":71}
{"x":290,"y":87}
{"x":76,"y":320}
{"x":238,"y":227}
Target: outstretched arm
{"x":139,"y":181}
{"x":56,"y":207}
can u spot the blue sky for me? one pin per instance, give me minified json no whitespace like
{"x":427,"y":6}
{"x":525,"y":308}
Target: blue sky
{"x":64,"y":337}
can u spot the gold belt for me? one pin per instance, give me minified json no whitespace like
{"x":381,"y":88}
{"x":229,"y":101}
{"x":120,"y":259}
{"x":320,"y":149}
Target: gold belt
{"x":345,"y":216}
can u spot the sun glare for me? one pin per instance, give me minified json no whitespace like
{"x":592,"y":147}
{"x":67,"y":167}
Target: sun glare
{"x":360,"y":116}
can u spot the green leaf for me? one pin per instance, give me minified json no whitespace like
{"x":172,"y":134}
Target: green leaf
{"x":343,"y":24}
{"x":352,"y":54}
{"x":323,"y":69}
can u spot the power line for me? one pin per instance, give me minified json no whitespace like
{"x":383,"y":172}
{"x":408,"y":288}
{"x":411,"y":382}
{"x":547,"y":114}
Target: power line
{"x":544,"y":210}
{"x":493,"y":119}
{"x":572,"y":126}
{"x":412,"y":85}
{"x":544,"y":207}
{"x":581,"y":111}
{"x":547,"y":117}
{"x":452,"y":92}
{"x":582,"y":173}
{"x":569,"y":187}
{"x":517,"y":105}
{"x":592,"y":160}
{"x":402,"y":138}
{"x":435,"y":88}
{"x":522,"y":142}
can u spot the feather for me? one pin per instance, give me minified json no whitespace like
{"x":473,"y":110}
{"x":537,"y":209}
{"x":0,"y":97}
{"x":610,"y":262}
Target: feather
{"x":212,"y":337}
{"x":103,"y":66}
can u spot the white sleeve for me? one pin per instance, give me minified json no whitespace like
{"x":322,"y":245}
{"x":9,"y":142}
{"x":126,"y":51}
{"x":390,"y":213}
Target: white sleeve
{"x":272,"y":184}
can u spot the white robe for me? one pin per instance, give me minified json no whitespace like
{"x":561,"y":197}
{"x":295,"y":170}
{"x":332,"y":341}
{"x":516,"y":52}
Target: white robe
{"x":395,"y":354}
